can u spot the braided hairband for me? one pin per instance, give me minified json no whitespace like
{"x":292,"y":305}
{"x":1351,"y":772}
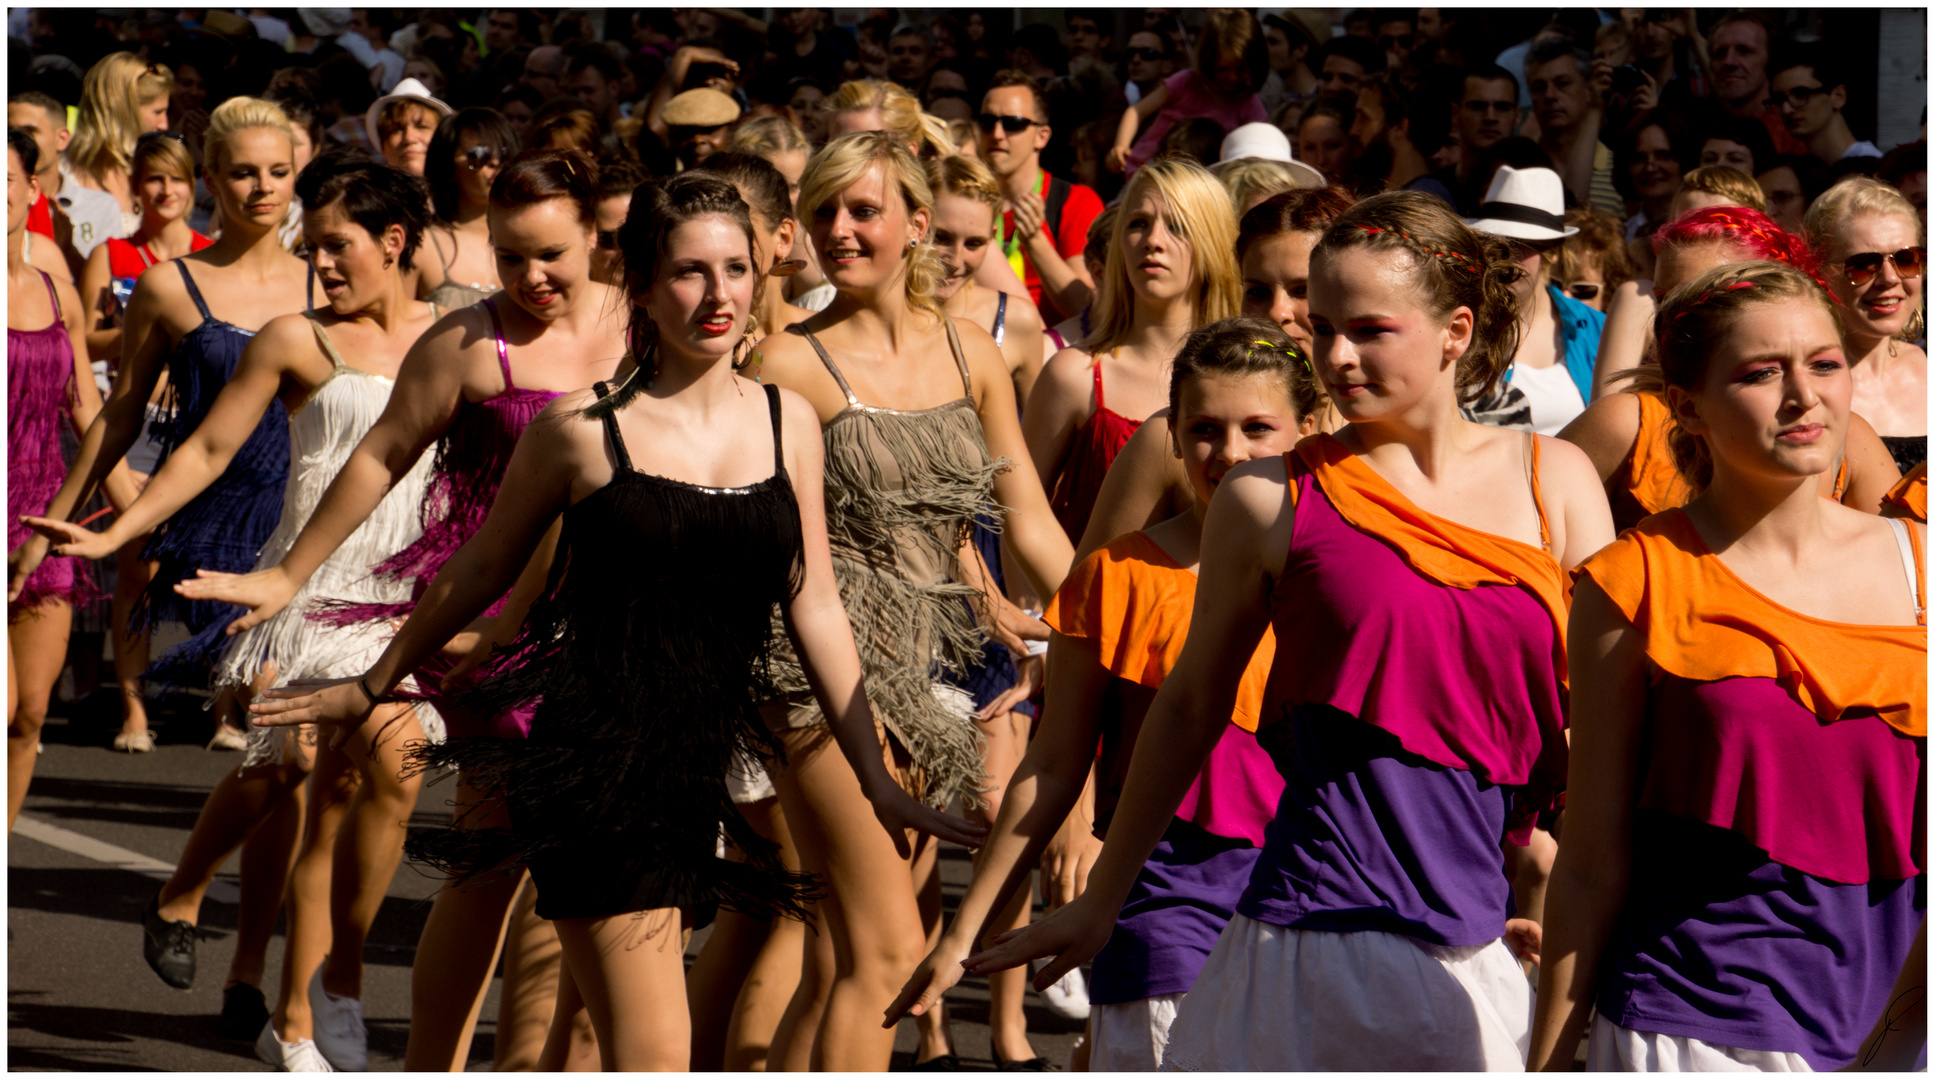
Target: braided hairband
{"x":1290,"y":350}
{"x":1373,"y":230}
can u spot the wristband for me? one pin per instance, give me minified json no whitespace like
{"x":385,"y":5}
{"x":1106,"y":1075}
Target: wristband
{"x":363,"y":685}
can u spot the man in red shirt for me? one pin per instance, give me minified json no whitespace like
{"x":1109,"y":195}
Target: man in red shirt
{"x":1045,"y":220}
{"x":1739,"y":45}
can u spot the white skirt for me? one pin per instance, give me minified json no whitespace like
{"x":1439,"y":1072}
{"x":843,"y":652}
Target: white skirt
{"x":1615,"y":1049}
{"x":1272,"y":999}
{"x":1130,"y":1036}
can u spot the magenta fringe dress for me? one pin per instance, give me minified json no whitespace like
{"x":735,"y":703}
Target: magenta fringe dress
{"x":470,"y":462}
{"x":40,"y":389}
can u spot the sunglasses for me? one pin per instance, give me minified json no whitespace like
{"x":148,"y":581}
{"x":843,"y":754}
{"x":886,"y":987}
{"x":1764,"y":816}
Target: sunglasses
{"x":1143,"y":52}
{"x":1862,"y":268}
{"x":1583,"y":290}
{"x":1797,"y":97}
{"x":1013,"y":125}
{"x":477,"y":157}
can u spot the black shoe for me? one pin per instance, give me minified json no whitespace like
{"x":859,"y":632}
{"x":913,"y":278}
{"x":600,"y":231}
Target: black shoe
{"x":1033,"y":1064}
{"x":168,"y":947}
{"x":944,"y":1063}
{"x":244,"y":1011}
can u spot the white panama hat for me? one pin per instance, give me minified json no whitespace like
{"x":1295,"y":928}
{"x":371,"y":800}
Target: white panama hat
{"x":1524,"y":204}
{"x":414,"y":90}
{"x":1268,"y":142}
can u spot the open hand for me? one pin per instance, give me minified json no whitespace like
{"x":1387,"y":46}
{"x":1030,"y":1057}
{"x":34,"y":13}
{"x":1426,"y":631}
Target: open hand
{"x":899,"y":812}
{"x":934,"y":976}
{"x":1029,"y":671}
{"x":1030,"y":212}
{"x":340,"y":703}
{"x":1067,"y":859}
{"x":1071,"y":935}
{"x":68,"y":540}
{"x":264,"y":593}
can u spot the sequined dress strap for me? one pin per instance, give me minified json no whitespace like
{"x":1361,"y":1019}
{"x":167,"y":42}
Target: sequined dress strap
{"x":504,"y":349}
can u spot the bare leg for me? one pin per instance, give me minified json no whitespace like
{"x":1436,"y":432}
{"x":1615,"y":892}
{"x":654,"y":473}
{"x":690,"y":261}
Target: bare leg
{"x":242,"y":800}
{"x":457,"y":953}
{"x":936,"y":1032}
{"x":570,"y":1045}
{"x":775,"y":973}
{"x":532,"y":986}
{"x":1006,"y":742}
{"x":367,"y":850}
{"x":331,"y":785}
{"x":870,"y":910}
{"x":631,"y":972}
{"x":36,"y":651}
{"x":267,"y":857}
{"x":131,"y":578}
{"x":714,"y":985}
{"x":799,"y":1025}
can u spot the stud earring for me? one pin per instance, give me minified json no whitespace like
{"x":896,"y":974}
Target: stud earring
{"x":912,"y":244}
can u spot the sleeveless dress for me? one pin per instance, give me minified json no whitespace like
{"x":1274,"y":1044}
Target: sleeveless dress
{"x":902,"y":489}
{"x":1416,"y":724}
{"x":40,"y":390}
{"x":1648,"y":482}
{"x":1133,"y":602}
{"x":322,"y":433}
{"x":1095,"y":445}
{"x":452,"y":295}
{"x":1779,"y":828}
{"x":469,"y":465}
{"x":225,"y":526}
{"x":648,"y":655}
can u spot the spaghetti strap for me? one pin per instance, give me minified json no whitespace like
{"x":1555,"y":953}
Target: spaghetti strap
{"x":1538,"y":500}
{"x":503,"y":349}
{"x":611,"y":430}
{"x":1100,"y":405}
{"x":441,"y":257}
{"x":831,"y":368}
{"x":322,"y":338}
{"x":772,"y":405}
{"x":1841,"y":479}
{"x":960,"y":358}
{"x":1911,"y":564}
{"x":1000,"y":317}
{"x":52,"y":296}
{"x":193,"y":292}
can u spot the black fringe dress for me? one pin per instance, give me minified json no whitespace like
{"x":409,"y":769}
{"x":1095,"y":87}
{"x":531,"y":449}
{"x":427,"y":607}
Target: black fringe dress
{"x":649,"y":656}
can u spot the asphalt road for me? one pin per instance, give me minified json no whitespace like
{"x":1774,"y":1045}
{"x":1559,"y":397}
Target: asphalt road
{"x":101,"y":830}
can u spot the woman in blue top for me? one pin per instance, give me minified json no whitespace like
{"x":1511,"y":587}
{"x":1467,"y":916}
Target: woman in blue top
{"x":1558,"y":336}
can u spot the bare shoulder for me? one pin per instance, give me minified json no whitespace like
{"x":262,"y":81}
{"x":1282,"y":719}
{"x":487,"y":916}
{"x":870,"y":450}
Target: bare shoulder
{"x":1023,"y":317}
{"x":1256,"y":487}
{"x":287,"y":333}
{"x":984,"y":359}
{"x":787,"y":349}
{"x":1563,"y":463}
{"x":1069,"y":371}
{"x":70,"y":301}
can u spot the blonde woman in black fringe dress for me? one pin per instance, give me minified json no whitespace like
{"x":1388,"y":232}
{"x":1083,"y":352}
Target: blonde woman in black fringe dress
{"x":691,"y":499}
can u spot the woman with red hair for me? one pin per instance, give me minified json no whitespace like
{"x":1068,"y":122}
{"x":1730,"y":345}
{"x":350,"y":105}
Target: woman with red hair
{"x":1624,"y":430}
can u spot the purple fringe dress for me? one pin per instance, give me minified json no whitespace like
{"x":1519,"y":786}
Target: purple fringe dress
{"x":470,"y":463}
{"x":40,"y":389}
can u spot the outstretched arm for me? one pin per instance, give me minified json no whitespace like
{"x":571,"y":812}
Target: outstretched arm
{"x":537,"y":487}
{"x":1032,"y":534}
{"x":1245,"y":541}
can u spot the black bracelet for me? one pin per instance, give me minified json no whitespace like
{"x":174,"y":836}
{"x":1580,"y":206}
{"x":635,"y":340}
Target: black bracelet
{"x":363,"y":685}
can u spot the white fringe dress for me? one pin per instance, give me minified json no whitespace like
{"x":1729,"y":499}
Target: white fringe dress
{"x":322,"y":433}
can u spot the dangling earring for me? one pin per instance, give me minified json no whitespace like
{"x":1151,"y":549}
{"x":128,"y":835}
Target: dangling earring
{"x":387,"y":260}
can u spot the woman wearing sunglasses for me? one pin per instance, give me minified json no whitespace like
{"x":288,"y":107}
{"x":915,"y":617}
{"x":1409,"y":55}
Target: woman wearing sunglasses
{"x":1592,"y":263}
{"x":464,"y":157}
{"x":1873,"y":246}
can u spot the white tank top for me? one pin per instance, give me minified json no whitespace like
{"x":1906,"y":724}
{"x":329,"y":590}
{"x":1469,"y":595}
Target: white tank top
{"x":1553,"y":395}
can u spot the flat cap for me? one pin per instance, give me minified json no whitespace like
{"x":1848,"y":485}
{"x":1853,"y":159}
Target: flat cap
{"x":701,"y":108}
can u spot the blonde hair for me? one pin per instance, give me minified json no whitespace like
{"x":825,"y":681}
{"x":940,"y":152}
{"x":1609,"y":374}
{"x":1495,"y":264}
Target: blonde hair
{"x":765,"y":136}
{"x":1200,"y":213}
{"x":1253,"y":179}
{"x":239,"y":114}
{"x":161,"y":154}
{"x":109,"y":118}
{"x":1852,"y":198}
{"x":967,"y":178}
{"x":899,"y":113}
{"x":1725,"y":181}
{"x":848,"y":158}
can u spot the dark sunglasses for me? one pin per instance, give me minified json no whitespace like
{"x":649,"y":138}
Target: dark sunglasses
{"x":1862,"y":268}
{"x":1143,"y":52}
{"x":477,"y":157}
{"x":1013,"y":125}
{"x":1798,"y":97}
{"x":1583,"y":290}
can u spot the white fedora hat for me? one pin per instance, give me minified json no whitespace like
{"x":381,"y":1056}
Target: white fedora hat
{"x":1268,"y":142}
{"x":414,"y":90}
{"x":1524,"y":204}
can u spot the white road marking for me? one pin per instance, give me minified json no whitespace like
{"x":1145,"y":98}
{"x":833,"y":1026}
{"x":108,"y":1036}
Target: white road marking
{"x":222,"y":892}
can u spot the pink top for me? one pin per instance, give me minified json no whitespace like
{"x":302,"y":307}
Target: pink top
{"x":1190,"y":97}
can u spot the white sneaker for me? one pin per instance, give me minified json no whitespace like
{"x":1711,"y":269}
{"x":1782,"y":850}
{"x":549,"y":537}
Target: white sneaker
{"x":298,"y":1056}
{"x":340,"y":1034}
{"x":1068,"y":997}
